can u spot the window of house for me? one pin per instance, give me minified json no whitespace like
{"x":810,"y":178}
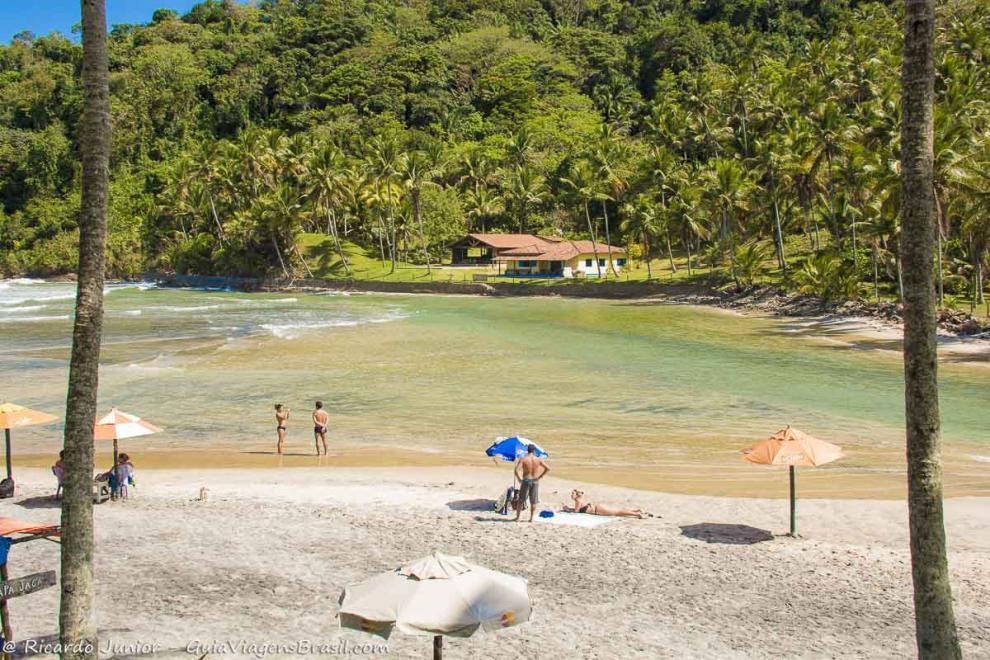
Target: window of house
{"x":620,"y":262}
{"x":587,"y":263}
{"x":601,"y":262}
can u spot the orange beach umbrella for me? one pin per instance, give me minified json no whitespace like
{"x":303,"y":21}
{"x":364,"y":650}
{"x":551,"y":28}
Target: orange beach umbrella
{"x":792,"y":448}
{"x":118,"y":425}
{"x":13,"y":416}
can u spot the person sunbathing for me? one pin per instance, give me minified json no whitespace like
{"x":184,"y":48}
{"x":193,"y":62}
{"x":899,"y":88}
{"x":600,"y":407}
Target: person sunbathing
{"x":581,"y":505}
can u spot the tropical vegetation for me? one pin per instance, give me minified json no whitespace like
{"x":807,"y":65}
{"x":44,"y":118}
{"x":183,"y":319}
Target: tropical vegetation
{"x":746,"y":140}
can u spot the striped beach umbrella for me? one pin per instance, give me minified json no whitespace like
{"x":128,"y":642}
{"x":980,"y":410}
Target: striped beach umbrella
{"x":118,"y":425}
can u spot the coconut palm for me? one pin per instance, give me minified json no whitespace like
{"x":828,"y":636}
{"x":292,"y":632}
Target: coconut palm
{"x":935,"y":626}
{"x":416,"y":172}
{"x":77,"y":620}
{"x":583,"y":182}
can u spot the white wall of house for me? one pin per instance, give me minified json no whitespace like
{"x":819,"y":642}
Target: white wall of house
{"x":584,"y":264}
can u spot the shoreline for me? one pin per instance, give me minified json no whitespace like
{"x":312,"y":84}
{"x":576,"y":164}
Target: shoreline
{"x":731,"y":480}
{"x":858,"y":323}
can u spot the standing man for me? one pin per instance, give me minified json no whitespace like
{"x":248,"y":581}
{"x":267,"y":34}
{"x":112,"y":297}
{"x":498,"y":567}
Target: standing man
{"x":320,"y":421}
{"x":529,"y":475}
{"x":281,"y":420}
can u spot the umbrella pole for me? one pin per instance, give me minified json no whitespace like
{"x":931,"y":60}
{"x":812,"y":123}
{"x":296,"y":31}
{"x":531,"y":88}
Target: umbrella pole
{"x":6,"y":438}
{"x":793,"y":505}
{"x":437,"y":647}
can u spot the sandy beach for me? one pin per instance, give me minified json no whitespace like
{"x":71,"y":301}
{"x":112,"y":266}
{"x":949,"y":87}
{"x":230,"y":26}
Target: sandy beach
{"x":264,"y":558}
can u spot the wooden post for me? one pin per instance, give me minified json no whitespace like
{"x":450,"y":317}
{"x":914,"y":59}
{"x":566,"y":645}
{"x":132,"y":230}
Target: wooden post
{"x":793,"y":505}
{"x":8,"y":634}
{"x":6,"y":437}
{"x":437,"y":647}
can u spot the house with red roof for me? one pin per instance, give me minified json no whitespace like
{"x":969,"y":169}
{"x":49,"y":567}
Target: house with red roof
{"x":528,"y":255}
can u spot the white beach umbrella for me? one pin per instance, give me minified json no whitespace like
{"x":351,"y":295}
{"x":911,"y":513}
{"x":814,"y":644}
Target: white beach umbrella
{"x":436,"y":595}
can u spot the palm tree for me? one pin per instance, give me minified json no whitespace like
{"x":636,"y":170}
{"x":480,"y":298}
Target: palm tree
{"x":727,"y":195}
{"x":643,"y":218}
{"x":327,"y":188}
{"x":480,"y":206}
{"x":935,"y":627}
{"x":386,"y":163}
{"x":526,"y":187}
{"x":583,"y":182}
{"x":77,"y":621}
{"x":415,"y":172}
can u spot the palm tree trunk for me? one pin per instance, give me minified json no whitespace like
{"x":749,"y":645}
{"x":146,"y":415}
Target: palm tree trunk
{"x":670,"y":253}
{"x":391,"y":222}
{"x":216,"y":218}
{"x":381,"y":232}
{"x":278,"y":253}
{"x":876,"y":275}
{"x":608,"y":239}
{"x":77,"y":621}
{"x":780,"y":236}
{"x":332,"y":219}
{"x":646,"y":250}
{"x":935,"y":627}
{"x":591,"y":230}
{"x":419,"y":222}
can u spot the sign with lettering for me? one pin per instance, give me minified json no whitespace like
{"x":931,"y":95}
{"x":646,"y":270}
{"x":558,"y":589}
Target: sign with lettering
{"x":27,"y":584}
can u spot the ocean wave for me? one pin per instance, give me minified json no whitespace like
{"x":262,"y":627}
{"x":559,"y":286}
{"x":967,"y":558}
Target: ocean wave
{"x":189,"y":308}
{"x":31,"y":297}
{"x":296,"y":330}
{"x":33,"y":319}
{"x":29,"y":308}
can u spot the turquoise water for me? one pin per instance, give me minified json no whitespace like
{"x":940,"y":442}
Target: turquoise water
{"x":630,"y":392}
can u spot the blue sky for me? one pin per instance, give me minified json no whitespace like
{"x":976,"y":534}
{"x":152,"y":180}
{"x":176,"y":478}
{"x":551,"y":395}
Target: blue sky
{"x":44,"y":16}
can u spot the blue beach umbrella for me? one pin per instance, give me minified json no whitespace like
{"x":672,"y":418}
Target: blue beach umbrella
{"x":513,"y":448}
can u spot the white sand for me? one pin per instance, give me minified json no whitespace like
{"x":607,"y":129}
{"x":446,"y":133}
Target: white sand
{"x":265,"y":557}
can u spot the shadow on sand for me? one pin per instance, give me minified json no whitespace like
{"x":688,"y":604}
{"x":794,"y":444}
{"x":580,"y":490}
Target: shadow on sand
{"x":40,"y":502}
{"x":726,"y":533}
{"x":480,"y":504}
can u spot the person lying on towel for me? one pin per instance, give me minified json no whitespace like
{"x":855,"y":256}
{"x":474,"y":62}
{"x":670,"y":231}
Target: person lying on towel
{"x":581,"y":505}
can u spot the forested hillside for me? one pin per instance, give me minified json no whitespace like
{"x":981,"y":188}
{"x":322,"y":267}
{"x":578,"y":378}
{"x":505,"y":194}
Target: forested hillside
{"x":724,"y":131}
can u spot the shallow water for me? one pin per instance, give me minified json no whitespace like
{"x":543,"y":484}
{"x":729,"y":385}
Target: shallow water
{"x":635,"y":393}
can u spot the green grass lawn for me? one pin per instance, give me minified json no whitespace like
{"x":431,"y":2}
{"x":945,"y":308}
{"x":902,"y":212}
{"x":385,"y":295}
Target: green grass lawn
{"x":323,"y":261}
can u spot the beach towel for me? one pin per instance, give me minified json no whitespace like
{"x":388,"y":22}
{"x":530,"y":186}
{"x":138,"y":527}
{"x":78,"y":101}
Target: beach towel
{"x":577,"y":519}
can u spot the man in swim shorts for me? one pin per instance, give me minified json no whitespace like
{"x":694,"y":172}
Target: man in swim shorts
{"x":528,"y":471}
{"x":320,"y":421}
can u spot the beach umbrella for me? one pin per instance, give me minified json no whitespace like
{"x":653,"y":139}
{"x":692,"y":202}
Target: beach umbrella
{"x":792,"y":448}
{"x":513,"y":448}
{"x":13,"y":416}
{"x":118,"y":425}
{"x":436,"y":595}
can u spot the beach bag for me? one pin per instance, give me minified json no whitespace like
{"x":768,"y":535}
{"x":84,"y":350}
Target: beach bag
{"x":507,"y":501}
{"x":7,"y":488}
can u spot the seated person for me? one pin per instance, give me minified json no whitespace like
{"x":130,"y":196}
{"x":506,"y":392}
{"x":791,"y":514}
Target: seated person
{"x":583,"y":506}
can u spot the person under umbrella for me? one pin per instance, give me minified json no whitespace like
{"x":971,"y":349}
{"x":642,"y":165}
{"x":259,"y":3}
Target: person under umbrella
{"x":118,"y":425}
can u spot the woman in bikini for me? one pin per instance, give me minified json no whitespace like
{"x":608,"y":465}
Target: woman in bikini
{"x":281,"y":417}
{"x":583,"y":506}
